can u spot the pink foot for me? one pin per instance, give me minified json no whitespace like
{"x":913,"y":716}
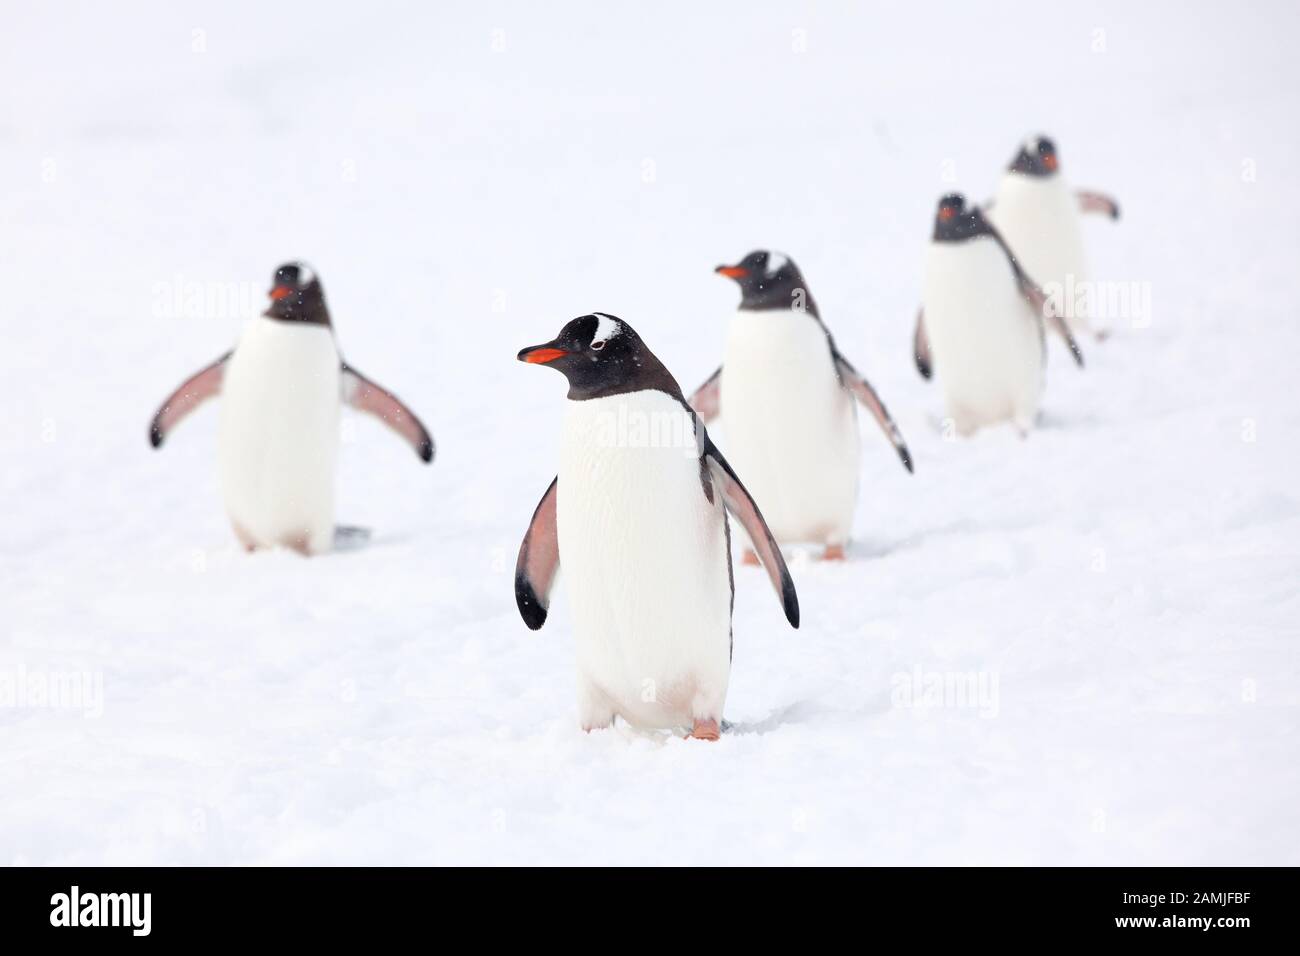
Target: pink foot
{"x":749,"y":557}
{"x":246,"y":539}
{"x":706,"y":730}
{"x":300,"y":543}
{"x":833,"y":552}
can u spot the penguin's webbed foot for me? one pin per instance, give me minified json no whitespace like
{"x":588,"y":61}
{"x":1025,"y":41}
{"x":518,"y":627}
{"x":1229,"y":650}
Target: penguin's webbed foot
{"x":248,"y":542}
{"x":705,"y":729}
{"x":833,"y":552}
{"x":749,"y":557}
{"x":300,"y":543}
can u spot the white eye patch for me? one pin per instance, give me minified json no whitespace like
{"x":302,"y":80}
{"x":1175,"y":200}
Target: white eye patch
{"x":606,"y":328}
{"x":776,"y":261}
{"x":305,"y":276}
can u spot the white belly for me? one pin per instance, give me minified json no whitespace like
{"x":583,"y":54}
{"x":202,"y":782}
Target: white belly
{"x":791,"y":430}
{"x":645,"y":563}
{"x":985,"y":339}
{"x":279,"y":434}
{"x":1039,"y":219}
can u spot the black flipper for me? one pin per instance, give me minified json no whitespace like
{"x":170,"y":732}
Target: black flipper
{"x":738,"y":501}
{"x":921,"y":347}
{"x":192,"y":393}
{"x":707,"y":400}
{"x":861,"y":388}
{"x":539,"y":561}
{"x":1097,"y":202}
{"x":1035,"y":296}
{"x":366,"y":396}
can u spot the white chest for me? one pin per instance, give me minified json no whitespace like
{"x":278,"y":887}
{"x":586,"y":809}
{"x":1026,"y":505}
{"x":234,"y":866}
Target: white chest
{"x":279,"y":432}
{"x":780,"y":354}
{"x":643,"y":555}
{"x":985,"y":338}
{"x":1039,"y":219}
{"x":790,"y":428}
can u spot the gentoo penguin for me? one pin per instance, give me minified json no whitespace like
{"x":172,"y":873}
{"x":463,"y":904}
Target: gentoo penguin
{"x":1038,"y":216}
{"x":636,"y":516}
{"x":279,"y":430}
{"x":981,"y":323}
{"x":786,"y":398}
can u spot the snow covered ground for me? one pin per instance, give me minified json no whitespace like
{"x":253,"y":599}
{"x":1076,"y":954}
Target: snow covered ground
{"x":1122,"y":586}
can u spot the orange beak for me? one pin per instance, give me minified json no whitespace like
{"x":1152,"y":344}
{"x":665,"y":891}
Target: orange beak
{"x":732,"y":272}
{"x":281,"y":292}
{"x":541,"y":355}
{"x":1050,"y":161}
{"x":946,"y":213}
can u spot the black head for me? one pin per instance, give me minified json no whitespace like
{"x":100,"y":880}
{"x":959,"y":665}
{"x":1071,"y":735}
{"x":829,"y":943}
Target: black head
{"x":770,"y":280}
{"x":296,"y":295}
{"x":1037,"y":157}
{"x":601,"y":355}
{"x":955,"y":221}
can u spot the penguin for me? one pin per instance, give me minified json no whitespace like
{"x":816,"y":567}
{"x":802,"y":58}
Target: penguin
{"x":981,"y":324}
{"x":278,"y":437}
{"x":1038,"y":216}
{"x":785,"y":396}
{"x":638,"y":518}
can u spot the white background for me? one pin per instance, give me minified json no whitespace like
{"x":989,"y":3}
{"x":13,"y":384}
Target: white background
{"x":1128,"y":574}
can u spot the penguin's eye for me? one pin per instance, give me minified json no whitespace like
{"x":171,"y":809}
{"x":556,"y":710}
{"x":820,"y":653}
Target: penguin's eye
{"x":597,"y":346}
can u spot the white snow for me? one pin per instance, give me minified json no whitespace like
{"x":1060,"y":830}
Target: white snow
{"x":1121,"y":587}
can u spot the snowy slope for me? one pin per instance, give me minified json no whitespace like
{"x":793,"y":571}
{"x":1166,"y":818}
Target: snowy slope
{"x":1124,"y":583}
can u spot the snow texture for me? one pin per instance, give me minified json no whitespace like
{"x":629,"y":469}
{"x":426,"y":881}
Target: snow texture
{"x":1121,"y":587}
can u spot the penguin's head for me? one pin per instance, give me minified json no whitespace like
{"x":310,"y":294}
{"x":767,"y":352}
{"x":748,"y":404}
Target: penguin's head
{"x":950,"y":207}
{"x":1037,"y":157}
{"x":769,"y":280}
{"x":955,"y":221}
{"x":598,"y":353}
{"x":296,"y":295}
